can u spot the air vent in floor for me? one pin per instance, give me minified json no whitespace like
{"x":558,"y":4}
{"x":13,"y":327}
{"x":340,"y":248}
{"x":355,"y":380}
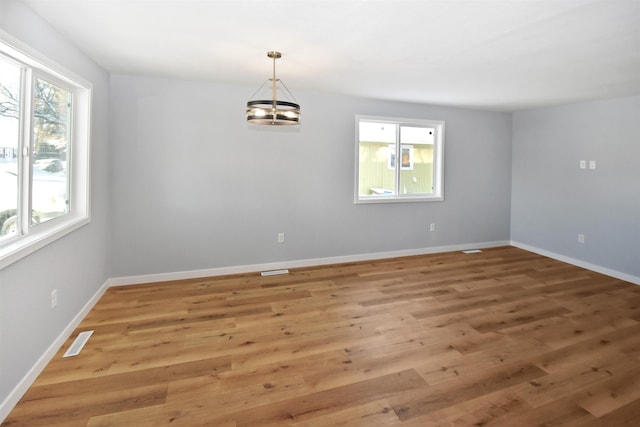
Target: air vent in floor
{"x":78,"y":344}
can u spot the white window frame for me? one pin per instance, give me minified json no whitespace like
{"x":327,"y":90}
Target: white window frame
{"x":33,"y":238}
{"x":438,"y":162}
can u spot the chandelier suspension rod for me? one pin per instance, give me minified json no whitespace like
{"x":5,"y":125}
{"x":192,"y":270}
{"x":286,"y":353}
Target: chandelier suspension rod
{"x":274,"y":55}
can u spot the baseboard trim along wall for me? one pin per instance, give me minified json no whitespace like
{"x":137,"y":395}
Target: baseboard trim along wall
{"x":589,"y":266}
{"x":240,"y":269}
{"x":21,"y":388}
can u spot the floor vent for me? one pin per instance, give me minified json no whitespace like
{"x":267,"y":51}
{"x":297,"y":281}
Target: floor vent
{"x":78,"y":344}
{"x":472,"y":251}
{"x":274,"y":272}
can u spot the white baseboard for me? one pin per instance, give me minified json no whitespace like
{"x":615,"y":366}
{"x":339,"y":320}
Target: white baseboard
{"x":21,"y":388}
{"x":210,"y":272}
{"x":589,"y":266}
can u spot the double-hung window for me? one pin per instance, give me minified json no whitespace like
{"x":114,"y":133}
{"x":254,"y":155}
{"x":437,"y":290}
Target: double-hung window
{"x":44,"y":146}
{"x":398,"y":160}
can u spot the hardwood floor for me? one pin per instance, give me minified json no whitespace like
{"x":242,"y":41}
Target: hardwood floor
{"x":500,"y":338}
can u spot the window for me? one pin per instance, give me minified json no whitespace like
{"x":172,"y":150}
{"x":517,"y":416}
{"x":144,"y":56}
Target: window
{"x":398,"y":160}
{"x":44,"y":145}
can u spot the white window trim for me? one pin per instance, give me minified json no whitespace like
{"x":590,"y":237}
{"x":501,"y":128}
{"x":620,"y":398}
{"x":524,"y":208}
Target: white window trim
{"x":19,"y":247}
{"x":438,"y":163}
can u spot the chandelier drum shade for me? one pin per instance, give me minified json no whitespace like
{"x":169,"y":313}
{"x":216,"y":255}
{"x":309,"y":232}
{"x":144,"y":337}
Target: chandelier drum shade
{"x":265,"y":108}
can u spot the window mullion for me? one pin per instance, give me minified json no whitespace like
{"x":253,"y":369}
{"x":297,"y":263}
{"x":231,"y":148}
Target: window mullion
{"x":24,"y":166}
{"x":398,"y":160}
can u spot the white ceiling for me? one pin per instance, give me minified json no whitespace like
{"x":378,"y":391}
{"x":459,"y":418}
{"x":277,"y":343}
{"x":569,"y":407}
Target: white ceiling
{"x":502,"y":55}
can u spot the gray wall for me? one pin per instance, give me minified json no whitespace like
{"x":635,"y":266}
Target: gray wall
{"x":553,"y":199}
{"x":77,"y":265}
{"x":195,"y":187}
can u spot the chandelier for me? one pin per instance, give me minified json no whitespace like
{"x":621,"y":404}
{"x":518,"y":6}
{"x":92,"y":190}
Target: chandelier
{"x":264,"y":111}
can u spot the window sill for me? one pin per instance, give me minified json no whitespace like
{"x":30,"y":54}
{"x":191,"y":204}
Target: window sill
{"x":397,"y":199}
{"x":22,"y":247}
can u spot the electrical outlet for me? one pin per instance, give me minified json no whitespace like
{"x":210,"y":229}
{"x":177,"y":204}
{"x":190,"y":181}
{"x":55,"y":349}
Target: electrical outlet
{"x":583,"y":164}
{"x":280,"y":237}
{"x":54,"y":298}
{"x":592,"y":164}
{"x":580,"y":238}
{"x":432,"y":227}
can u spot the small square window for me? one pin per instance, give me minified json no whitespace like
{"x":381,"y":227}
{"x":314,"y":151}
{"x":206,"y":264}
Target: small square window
{"x":398,"y":160}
